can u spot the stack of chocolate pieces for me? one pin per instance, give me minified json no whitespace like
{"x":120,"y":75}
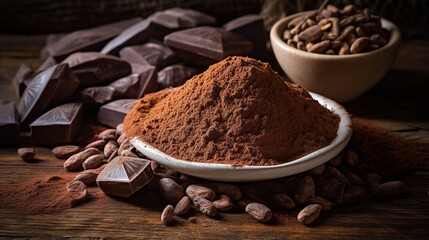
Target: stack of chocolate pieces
{"x":105,"y":69}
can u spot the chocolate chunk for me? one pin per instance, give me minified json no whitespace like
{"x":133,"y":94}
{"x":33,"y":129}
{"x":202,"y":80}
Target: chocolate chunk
{"x":252,"y":28}
{"x":25,"y":71}
{"x":152,"y":53}
{"x":94,"y":68}
{"x":142,"y":81}
{"x":58,"y":126}
{"x":175,"y":75}
{"x":9,"y":123}
{"x":197,"y":18}
{"x":207,"y":45}
{"x":165,"y":23}
{"x":48,"y":89}
{"x":123,"y":176}
{"x":136,"y":34}
{"x":113,"y":113}
{"x":92,"y":39}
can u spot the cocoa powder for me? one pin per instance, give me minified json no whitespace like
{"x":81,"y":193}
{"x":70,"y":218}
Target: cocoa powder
{"x":237,"y":112}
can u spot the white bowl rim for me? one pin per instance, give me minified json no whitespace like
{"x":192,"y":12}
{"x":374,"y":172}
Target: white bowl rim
{"x":395,"y":37}
{"x":318,"y":157}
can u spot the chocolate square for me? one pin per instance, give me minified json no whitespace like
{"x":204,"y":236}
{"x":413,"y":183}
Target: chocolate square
{"x":48,"y":89}
{"x":9,"y":123}
{"x":151,"y":53}
{"x":58,"y":126}
{"x":113,"y":113}
{"x":176,"y":75}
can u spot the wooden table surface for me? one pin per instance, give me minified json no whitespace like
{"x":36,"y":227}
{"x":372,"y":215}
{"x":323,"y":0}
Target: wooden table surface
{"x":400,"y":103}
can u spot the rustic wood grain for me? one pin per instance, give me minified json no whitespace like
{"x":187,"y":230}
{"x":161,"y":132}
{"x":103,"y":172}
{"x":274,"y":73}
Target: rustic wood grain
{"x":392,"y":104}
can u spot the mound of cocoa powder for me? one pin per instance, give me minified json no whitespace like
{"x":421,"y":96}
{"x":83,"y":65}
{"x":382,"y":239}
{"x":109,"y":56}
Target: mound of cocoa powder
{"x":238,"y":112}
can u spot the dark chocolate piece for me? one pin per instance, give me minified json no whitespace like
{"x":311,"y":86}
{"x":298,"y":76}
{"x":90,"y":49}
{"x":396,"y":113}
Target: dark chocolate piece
{"x":152,"y":53}
{"x":58,"y":126}
{"x":252,"y":28}
{"x":48,"y":89}
{"x":207,"y":45}
{"x":135,"y":34}
{"x":197,"y":18}
{"x":113,"y":113}
{"x":165,"y":23}
{"x":25,"y":71}
{"x":94,"y":68}
{"x":92,"y":39}
{"x":143,"y":80}
{"x":123,"y":176}
{"x":9,"y":123}
{"x":176,"y":75}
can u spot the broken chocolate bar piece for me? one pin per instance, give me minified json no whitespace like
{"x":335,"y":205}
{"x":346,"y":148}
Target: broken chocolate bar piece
{"x":152,"y":53}
{"x":143,"y":80}
{"x":25,"y":71}
{"x":9,"y":123}
{"x":207,"y":45}
{"x":165,"y":23}
{"x":197,"y":18}
{"x":94,"y":68}
{"x":135,"y":34}
{"x":92,"y":39}
{"x":123,"y":176}
{"x":48,"y":89}
{"x":175,"y":75}
{"x":252,"y":28}
{"x":58,"y":126}
{"x":113,"y":113}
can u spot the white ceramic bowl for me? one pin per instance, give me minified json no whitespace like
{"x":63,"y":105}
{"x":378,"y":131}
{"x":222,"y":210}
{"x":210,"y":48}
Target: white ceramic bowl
{"x":340,"y":78}
{"x":226,"y":172}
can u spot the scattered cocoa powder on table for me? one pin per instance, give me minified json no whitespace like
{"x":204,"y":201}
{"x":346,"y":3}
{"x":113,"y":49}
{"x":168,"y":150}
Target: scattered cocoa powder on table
{"x":237,"y":112}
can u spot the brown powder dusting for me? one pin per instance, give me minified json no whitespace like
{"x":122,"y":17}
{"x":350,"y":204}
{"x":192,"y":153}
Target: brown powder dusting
{"x":41,"y":194}
{"x":238,"y":112}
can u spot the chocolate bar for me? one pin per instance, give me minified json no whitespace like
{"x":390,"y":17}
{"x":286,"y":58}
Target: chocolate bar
{"x":123,"y":176}
{"x":176,"y":75}
{"x":48,"y":89}
{"x":92,"y":39}
{"x":135,"y":34}
{"x":252,"y":28}
{"x":151,"y":53}
{"x":113,"y":113}
{"x":207,"y":45}
{"x":9,"y":123}
{"x":94,"y":68}
{"x":57,"y":126}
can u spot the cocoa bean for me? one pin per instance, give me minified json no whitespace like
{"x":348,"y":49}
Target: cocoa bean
{"x":128,"y":153}
{"x":183,"y":206}
{"x":319,"y":47}
{"x":311,"y":34}
{"x":283,"y":201}
{"x":121,"y":139}
{"x":359,"y":45}
{"x":77,"y":191}
{"x":355,"y":179}
{"x":326,"y":204}
{"x":345,"y":49}
{"x":107,"y":135}
{"x":26,"y":154}
{"x":259,"y":212}
{"x":126,"y":145}
{"x":373,"y":180}
{"x":346,"y":32}
{"x":242,"y":203}
{"x":119,"y":129}
{"x":332,"y":189}
{"x":194,"y":190}
{"x":305,"y":190}
{"x":88,"y":177}
{"x":351,"y":158}
{"x":223,"y":203}
{"x":112,"y":156}
{"x":205,"y":206}
{"x":64,"y":152}
{"x":287,"y":35}
{"x":167,"y":215}
{"x":317,"y":170}
{"x":99,"y":144}
{"x":110,"y":147}
{"x":170,"y":190}
{"x":165,"y":175}
{"x":348,"y":9}
{"x":230,"y":190}
{"x":359,"y":32}
{"x":354,"y":194}
{"x":289,"y":185}
{"x":332,"y":172}
{"x":75,"y":161}
{"x":389,"y":189}
{"x":337,"y":160}
{"x":93,"y":161}
{"x":295,"y":22}
{"x":309,"y":214}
